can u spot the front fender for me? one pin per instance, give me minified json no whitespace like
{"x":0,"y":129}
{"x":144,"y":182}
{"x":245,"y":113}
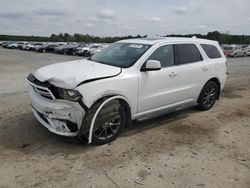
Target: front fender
{"x":107,"y":93}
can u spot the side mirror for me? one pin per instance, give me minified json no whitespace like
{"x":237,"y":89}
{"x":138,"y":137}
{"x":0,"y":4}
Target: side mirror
{"x":151,"y":65}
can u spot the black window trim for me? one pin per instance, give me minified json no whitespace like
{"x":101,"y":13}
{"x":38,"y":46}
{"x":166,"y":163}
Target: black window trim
{"x":213,"y":46}
{"x":176,"y":54}
{"x":175,"y":62}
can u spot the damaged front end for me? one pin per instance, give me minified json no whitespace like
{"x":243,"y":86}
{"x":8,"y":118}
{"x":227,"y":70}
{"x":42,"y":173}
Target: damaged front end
{"x":57,"y":109}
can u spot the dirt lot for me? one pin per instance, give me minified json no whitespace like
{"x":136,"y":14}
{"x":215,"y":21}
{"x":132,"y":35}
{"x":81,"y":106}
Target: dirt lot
{"x":184,"y":149}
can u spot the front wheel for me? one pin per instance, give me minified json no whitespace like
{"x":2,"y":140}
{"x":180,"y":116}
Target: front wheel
{"x":85,"y":53}
{"x":109,"y":122}
{"x":208,"y":96}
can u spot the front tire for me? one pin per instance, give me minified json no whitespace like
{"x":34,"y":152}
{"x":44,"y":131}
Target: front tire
{"x":85,"y":53}
{"x":109,"y":122}
{"x":208,"y":96}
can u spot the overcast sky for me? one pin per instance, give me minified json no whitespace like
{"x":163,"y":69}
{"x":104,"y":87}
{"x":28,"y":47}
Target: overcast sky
{"x":123,"y":17}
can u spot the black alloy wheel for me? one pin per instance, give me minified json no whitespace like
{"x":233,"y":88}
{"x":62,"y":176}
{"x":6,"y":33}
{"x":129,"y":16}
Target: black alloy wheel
{"x":208,"y":96}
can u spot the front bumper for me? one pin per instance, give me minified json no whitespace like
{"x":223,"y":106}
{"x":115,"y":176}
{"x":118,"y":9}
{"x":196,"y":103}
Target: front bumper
{"x":58,"y":116}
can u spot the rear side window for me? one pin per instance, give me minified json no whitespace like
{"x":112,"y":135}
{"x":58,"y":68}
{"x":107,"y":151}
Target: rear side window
{"x":211,"y":51}
{"x":187,"y":53}
{"x":164,"y":54}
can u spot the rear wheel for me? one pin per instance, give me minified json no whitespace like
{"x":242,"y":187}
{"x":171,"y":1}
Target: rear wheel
{"x":208,"y":96}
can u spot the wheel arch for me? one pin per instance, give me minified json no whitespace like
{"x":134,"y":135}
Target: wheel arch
{"x":123,"y":101}
{"x":105,"y":100}
{"x":217,"y":81}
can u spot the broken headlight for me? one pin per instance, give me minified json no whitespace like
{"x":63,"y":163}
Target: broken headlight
{"x":68,"y":94}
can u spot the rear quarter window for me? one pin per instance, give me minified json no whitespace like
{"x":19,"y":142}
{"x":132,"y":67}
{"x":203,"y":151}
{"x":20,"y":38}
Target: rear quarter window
{"x":211,"y":51}
{"x":187,"y":53}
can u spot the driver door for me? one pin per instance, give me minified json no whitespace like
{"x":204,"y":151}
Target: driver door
{"x":159,"y":88}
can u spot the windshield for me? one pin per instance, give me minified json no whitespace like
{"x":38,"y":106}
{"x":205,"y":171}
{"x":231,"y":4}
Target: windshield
{"x":122,"y":55}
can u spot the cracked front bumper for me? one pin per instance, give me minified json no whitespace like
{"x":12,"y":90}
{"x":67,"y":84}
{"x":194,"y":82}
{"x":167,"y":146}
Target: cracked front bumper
{"x":58,"y":116}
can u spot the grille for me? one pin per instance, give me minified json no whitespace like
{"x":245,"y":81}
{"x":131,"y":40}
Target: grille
{"x":41,"y":88}
{"x":43,"y":91}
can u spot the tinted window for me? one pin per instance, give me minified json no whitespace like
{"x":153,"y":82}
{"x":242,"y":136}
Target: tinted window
{"x":187,"y":53}
{"x":165,"y":55}
{"x":211,"y":51}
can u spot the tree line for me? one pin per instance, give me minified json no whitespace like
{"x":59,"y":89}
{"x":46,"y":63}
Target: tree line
{"x":222,"y":38}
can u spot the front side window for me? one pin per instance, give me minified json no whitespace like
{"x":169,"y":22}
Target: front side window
{"x":187,"y":53}
{"x":122,"y":55}
{"x":164,"y":54}
{"x":211,"y":51}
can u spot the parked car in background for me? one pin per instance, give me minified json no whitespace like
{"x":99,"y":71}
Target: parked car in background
{"x":85,"y":50}
{"x":66,"y":49}
{"x":82,"y":51}
{"x":94,"y":99}
{"x":234,"y":51}
{"x":74,"y":49}
{"x":5,"y":44}
{"x":94,"y":51}
{"x":47,"y":48}
{"x":59,"y":48}
{"x":248,"y":51}
{"x":79,"y":50}
{"x":33,"y":45}
{"x":15,"y":45}
{"x":1,"y":42}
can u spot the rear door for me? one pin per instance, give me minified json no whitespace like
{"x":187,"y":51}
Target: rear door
{"x":193,"y":70}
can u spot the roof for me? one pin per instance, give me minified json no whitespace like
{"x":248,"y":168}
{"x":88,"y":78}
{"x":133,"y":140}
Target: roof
{"x":153,"y":41}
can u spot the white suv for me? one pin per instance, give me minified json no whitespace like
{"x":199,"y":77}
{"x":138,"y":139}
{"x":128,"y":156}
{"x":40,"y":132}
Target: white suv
{"x":95,"y":98}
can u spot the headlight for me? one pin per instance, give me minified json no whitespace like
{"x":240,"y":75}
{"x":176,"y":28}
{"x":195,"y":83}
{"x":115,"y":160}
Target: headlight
{"x":69,"y":94}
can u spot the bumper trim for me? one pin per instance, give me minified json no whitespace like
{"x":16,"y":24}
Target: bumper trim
{"x":50,"y":128}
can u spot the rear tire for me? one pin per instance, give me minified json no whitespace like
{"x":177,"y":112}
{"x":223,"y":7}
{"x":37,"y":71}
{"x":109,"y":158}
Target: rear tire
{"x":208,"y":96}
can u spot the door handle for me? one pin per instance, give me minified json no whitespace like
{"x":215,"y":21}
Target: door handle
{"x":205,"y":69}
{"x":172,"y":74}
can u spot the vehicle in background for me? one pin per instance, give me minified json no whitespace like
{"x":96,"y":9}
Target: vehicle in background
{"x":59,"y":48}
{"x":137,"y":79}
{"x":94,"y":51}
{"x":248,"y":51}
{"x":82,"y":51}
{"x":78,"y":50}
{"x":73,"y":51}
{"x":234,"y":51}
{"x":245,"y":49}
{"x":69,"y":49}
{"x":4,"y":44}
{"x":47,"y":47}
{"x":32,"y":46}
{"x":66,"y":49}
{"x":15,"y":45}
{"x":85,"y":50}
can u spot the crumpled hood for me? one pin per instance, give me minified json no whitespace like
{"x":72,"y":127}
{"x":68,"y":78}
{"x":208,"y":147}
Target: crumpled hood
{"x":69,"y":74}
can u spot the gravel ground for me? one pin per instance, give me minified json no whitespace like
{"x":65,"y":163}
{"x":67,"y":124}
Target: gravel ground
{"x":183,"y":149}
